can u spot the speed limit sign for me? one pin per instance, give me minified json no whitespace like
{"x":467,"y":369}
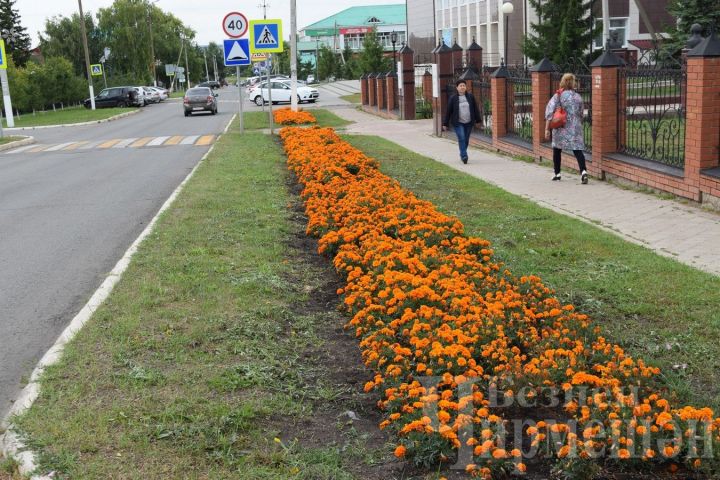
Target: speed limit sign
{"x":235,"y":24}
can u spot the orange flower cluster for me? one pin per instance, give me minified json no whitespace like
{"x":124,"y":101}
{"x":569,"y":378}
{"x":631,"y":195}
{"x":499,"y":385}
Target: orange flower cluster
{"x":285,"y":116}
{"x":457,"y":342}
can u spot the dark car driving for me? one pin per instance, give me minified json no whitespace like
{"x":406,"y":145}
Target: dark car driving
{"x":114,"y":97}
{"x":212,"y":84}
{"x":200,"y":99}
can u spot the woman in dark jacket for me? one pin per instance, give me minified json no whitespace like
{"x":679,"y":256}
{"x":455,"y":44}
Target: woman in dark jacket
{"x":463,"y":112}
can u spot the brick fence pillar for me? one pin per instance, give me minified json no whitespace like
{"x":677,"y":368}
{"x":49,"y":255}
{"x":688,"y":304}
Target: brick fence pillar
{"x":443,"y":59}
{"x":364,"y":89}
{"x":427,"y":80}
{"x":372,"y":87}
{"x":407,"y":86}
{"x":605,"y":98}
{"x":702,"y":120}
{"x":498,"y":100}
{"x":473,"y":56}
{"x":457,"y":56}
{"x":380,"y":91}
{"x":391,"y":81}
{"x":541,"y":92}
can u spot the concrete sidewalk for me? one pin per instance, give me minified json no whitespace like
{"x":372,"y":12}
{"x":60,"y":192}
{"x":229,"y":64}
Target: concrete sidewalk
{"x":681,"y":231}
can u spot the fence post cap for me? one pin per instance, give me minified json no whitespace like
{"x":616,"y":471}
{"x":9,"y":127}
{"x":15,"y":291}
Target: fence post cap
{"x":469,"y":74}
{"x":544,"y":65}
{"x":474,"y":45}
{"x":364,"y":76}
{"x":608,"y":59}
{"x":709,"y":47}
{"x":456,"y":47}
{"x":443,"y":48}
{"x":406,"y":49}
{"x":501,"y":72}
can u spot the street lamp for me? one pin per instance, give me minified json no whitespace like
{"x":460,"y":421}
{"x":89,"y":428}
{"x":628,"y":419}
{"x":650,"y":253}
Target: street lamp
{"x":393,"y":40}
{"x":317,"y":59}
{"x":506,"y":8}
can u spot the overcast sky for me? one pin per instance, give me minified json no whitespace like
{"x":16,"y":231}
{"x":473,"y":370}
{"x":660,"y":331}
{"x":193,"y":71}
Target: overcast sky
{"x":205,"y":17}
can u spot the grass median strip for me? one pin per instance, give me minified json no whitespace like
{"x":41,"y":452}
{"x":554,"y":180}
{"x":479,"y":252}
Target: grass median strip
{"x":661,"y":310}
{"x":325,"y":118}
{"x":66,"y":116}
{"x":220,"y":353}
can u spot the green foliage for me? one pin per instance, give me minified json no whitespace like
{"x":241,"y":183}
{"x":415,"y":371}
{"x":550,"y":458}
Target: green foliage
{"x":63,"y":38}
{"x":371,"y":58}
{"x":327,"y":63}
{"x":19,"y":49}
{"x":688,"y":12}
{"x":564,"y":30}
{"x":351,"y":69}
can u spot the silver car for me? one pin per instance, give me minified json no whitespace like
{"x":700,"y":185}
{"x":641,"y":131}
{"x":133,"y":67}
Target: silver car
{"x":200,"y":99}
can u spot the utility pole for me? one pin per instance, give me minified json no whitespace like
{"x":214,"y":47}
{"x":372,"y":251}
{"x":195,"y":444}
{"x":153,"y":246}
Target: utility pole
{"x":187,"y":68}
{"x":207,"y":72}
{"x":152,"y":44}
{"x":293,"y":56}
{"x":215,"y":68}
{"x":87,"y":56}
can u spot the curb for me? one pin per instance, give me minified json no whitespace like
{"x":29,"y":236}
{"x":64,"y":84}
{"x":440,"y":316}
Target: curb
{"x":11,"y":445}
{"x":104,"y":120}
{"x":18,"y":143}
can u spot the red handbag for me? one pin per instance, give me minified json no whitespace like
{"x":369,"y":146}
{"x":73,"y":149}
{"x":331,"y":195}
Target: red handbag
{"x":559,"y":117}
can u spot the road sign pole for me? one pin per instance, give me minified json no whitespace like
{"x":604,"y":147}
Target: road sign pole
{"x":270,"y":96}
{"x":104,"y":77}
{"x":6,"y":98}
{"x":240,"y":107}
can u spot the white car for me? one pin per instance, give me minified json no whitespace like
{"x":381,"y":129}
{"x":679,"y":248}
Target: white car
{"x":140,"y":97}
{"x":151,"y":95}
{"x":280,"y":93}
{"x":157,"y":93}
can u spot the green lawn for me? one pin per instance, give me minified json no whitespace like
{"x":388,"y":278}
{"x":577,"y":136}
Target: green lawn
{"x":66,"y":116}
{"x":325,"y":118}
{"x":352,"y":98}
{"x":4,"y":140}
{"x":659,"y":309}
{"x":221,"y":337}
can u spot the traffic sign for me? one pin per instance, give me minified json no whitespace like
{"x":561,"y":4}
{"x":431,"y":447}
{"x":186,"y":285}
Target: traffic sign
{"x":258,"y":57}
{"x":170,"y":69}
{"x":266,"y":36}
{"x":235,"y":25}
{"x":3,"y":57}
{"x":96,"y":69}
{"x":237,"y":52}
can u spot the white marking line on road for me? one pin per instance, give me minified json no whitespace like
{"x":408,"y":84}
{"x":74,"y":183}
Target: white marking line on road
{"x":157,"y":142}
{"x":21,"y":149}
{"x":124,"y":143}
{"x":58,"y":147}
{"x":190,"y":140}
{"x":91,"y":145}
{"x":10,"y":443}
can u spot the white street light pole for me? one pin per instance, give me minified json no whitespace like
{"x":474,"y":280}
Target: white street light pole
{"x":293,"y":56}
{"x":87,"y":56}
{"x":507,"y":8}
{"x":6,"y":85}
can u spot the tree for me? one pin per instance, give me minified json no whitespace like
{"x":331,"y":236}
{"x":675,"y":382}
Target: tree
{"x":688,"y":12}
{"x":351,"y":69}
{"x":327,"y":63}
{"x":371,"y":57}
{"x":563,"y":33}
{"x":19,"y":46}
{"x":63,"y":38}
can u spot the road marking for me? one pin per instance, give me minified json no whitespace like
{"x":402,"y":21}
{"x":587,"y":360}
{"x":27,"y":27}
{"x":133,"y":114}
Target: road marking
{"x":190,"y":140}
{"x":142,"y":142}
{"x":59,"y":147}
{"x":22,"y":149}
{"x":157,"y":142}
{"x":125,"y":143}
{"x":205,"y":140}
{"x":38,"y":149}
{"x":75,"y":146}
{"x":91,"y":145}
{"x":174,"y":140}
{"x":109,"y":143}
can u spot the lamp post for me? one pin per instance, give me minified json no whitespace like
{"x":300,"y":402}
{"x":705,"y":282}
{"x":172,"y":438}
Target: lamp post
{"x":393,"y":40}
{"x":152,"y":43}
{"x":11,"y":36}
{"x":317,"y":59}
{"x":506,"y":8}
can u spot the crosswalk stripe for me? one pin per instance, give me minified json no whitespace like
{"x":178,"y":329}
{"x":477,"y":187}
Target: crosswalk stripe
{"x":22,"y":149}
{"x":189,"y":140}
{"x":39,"y":148}
{"x":90,"y":145}
{"x":157,"y":142}
{"x":59,"y":147}
{"x":124,"y":143}
{"x":109,"y":143}
{"x":142,"y":142}
{"x":205,"y":140}
{"x":174,"y":140}
{"x":75,"y":146}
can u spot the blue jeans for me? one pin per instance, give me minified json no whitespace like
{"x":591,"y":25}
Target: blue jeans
{"x":462,"y":130}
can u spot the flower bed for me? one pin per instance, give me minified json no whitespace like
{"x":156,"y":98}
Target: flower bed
{"x":474,"y":364}
{"x":285,"y":116}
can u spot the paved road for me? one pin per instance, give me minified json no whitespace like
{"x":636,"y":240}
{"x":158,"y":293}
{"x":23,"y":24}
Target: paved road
{"x":70,"y":207}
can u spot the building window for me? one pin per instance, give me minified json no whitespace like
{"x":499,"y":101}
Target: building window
{"x":354,"y":40}
{"x":618,"y":25}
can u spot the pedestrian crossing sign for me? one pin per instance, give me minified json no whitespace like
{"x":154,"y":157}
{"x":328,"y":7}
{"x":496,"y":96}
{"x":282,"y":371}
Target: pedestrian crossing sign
{"x":96,"y":69}
{"x":3,"y":58}
{"x":266,"y":36}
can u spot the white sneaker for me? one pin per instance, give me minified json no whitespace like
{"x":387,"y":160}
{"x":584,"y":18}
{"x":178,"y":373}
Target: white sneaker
{"x":556,"y":177}
{"x":584,"y":177}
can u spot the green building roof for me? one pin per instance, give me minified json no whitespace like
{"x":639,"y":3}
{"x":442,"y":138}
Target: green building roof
{"x":365,"y":16}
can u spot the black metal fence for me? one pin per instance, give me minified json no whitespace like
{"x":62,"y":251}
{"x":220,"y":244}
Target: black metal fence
{"x":519,"y":103}
{"x":481,"y":90}
{"x":651,"y":116}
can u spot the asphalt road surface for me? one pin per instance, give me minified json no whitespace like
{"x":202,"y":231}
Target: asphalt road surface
{"x":71,"y":205}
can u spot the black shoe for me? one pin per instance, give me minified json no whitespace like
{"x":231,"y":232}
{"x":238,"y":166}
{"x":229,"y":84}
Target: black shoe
{"x":464,"y":160}
{"x":584,"y":177}
{"x":556,"y":177}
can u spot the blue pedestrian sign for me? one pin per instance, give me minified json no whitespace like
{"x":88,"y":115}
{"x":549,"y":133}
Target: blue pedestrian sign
{"x":237,"y":52}
{"x":266,"y":36}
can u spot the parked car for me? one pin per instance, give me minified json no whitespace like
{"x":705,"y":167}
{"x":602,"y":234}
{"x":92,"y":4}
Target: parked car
{"x":200,"y":99}
{"x":151,"y":95}
{"x":281,"y":93}
{"x":212,"y":84}
{"x":162,"y":93}
{"x":114,"y":97}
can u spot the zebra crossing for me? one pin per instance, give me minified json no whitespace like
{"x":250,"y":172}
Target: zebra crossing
{"x":136,"y":142}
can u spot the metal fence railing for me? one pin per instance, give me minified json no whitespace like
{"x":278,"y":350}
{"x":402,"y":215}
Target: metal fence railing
{"x":519,"y":104}
{"x":482,"y":91}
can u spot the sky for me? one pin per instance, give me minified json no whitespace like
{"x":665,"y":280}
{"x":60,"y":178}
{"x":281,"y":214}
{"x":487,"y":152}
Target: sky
{"x":203,"y":17}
